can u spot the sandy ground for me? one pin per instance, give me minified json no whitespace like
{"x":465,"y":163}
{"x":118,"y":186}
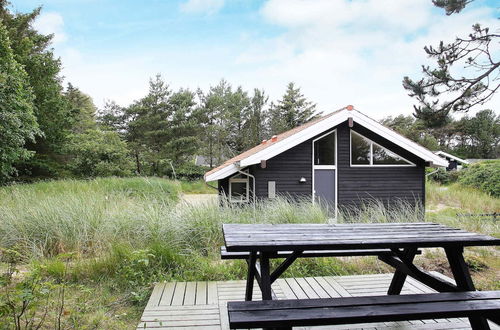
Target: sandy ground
{"x":199,"y":199}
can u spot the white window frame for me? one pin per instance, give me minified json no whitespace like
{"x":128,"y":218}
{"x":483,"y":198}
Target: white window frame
{"x":411,"y":164}
{"x":239,"y":180}
{"x":327,"y":167}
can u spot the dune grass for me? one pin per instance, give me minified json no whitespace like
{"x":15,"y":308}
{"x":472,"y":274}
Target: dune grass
{"x":123,"y":235}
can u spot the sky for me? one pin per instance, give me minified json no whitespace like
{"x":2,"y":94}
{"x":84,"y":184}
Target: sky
{"x":339,"y":52}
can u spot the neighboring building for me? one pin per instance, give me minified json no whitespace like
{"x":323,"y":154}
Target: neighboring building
{"x":202,"y":161}
{"x":454,"y":163}
{"x":342,"y":159}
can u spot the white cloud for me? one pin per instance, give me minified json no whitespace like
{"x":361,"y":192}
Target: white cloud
{"x":355,"y":52}
{"x":338,"y":51}
{"x":202,"y":6}
{"x":51,"y":23}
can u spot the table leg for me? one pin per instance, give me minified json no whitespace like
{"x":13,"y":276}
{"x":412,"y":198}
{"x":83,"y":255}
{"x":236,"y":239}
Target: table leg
{"x":399,"y":278}
{"x":252,"y":258}
{"x":265,"y":276}
{"x":463,"y":280}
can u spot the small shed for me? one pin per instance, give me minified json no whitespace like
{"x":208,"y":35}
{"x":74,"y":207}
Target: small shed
{"x":454,"y":162}
{"x":343,"y":159}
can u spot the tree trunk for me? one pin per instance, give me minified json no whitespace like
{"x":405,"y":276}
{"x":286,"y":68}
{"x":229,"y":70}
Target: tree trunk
{"x":137,"y":163}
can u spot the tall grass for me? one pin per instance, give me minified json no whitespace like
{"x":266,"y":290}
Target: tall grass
{"x":111,"y":223}
{"x":460,"y":197}
{"x":90,"y":217}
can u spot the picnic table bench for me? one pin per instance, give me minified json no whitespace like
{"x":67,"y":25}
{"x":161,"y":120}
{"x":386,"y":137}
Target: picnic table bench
{"x":394,"y":243}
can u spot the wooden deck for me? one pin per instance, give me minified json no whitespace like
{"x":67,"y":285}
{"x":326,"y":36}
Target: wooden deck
{"x":202,"y":305}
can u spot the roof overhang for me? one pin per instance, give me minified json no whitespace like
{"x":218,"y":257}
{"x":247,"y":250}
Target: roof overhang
{"x":320,"y":127}
{"x":445,"y":154}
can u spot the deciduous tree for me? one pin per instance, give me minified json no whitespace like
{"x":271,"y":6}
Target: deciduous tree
{"x":17,"y":121}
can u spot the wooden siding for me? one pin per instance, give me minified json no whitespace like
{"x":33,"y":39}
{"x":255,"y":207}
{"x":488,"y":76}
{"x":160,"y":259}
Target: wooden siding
{"x":286,"y":169}
{"x":356,"y":185}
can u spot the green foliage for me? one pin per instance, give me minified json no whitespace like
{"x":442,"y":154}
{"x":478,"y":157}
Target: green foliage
{"x":442,"y":89}
{"x":18,"y":124}
{"x":443,"y":176}
{"x":451,"y":6}
{"x":475,"y":263}
{"x":33,"y":51}
{"x":187,"y":172}
{"x":99,"y":153}
{"x":291,"y":111}
{"x":468,"y":137}
{"x":484,"y":176}
{"x":231,"y":121}
{"x":479,"y":136}
{"x":198,"y":187}
{"x":81,"y":109}
{"x":112,"y":117}
{"x":24,"y":303}
{"x":161,"y":129}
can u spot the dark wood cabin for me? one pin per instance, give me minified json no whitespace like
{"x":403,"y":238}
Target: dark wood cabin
{"x":343,"y":160}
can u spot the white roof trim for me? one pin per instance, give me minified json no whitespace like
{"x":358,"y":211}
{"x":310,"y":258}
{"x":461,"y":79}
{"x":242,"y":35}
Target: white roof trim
{"x":295,"y":139}
{"x":463,"y":161}
{"x":322,"y":126}
{"x":398,"y":139}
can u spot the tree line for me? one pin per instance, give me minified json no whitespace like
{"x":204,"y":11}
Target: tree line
{"x":48,"y":130}
{"x":475,"y":136}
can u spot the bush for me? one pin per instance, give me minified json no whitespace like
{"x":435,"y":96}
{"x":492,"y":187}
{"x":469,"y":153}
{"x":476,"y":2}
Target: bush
{"x":443,"y":176}
{"x":99,"y":153}
{"x":484,"y":176}
{"x":187,"y":171}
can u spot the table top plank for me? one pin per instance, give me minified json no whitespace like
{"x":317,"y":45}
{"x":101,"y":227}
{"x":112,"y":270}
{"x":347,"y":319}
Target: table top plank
{"x":279,"y":237}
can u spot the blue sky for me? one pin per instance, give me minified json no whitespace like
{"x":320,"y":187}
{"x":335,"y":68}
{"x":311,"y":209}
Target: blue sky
{"x":339,"y":51}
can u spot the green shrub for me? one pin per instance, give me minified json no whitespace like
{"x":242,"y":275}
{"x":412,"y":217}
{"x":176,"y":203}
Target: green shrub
{"x":484,"y":176}
{"x":443,"y":176}
{"x":99,"y":153}
{"x":187,"y":171}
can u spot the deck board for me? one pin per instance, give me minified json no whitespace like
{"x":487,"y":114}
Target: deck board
{"x":203,"y":305}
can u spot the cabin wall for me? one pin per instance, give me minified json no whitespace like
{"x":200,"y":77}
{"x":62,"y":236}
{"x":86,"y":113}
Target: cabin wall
{"x":286,"y":169}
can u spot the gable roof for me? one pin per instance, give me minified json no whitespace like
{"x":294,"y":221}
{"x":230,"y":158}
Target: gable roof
{"x":447,"y":155}
{"x":295,"y":136}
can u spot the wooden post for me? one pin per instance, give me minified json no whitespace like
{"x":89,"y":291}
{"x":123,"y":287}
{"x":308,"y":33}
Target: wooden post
{"x":399,"y":278}
{"x":463,"y":280}
{"x":251,"y":275}
{"x":265,"y":276}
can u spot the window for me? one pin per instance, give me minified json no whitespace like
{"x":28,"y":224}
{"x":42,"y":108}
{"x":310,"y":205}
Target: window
{"x":368,"y":153}
{"x":360,"y":150}
{"x":383,"y":156}
{"x":238,"y":190}
{"x":324,"y":150}
{"x":271,"y":189}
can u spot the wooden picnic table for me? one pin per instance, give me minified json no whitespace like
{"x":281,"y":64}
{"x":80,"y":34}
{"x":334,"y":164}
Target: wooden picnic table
{"x":262,"y":241}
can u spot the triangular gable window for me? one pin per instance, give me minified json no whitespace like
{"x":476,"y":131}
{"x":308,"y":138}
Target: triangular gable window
{"x":365,"y":152}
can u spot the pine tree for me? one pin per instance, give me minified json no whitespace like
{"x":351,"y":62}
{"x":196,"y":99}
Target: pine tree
{"x":291,"y":111}
{"x":81,"y":110}
{"x":147,"y":120}
{"x":444,"y":90}
{"x":255,"y":126}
